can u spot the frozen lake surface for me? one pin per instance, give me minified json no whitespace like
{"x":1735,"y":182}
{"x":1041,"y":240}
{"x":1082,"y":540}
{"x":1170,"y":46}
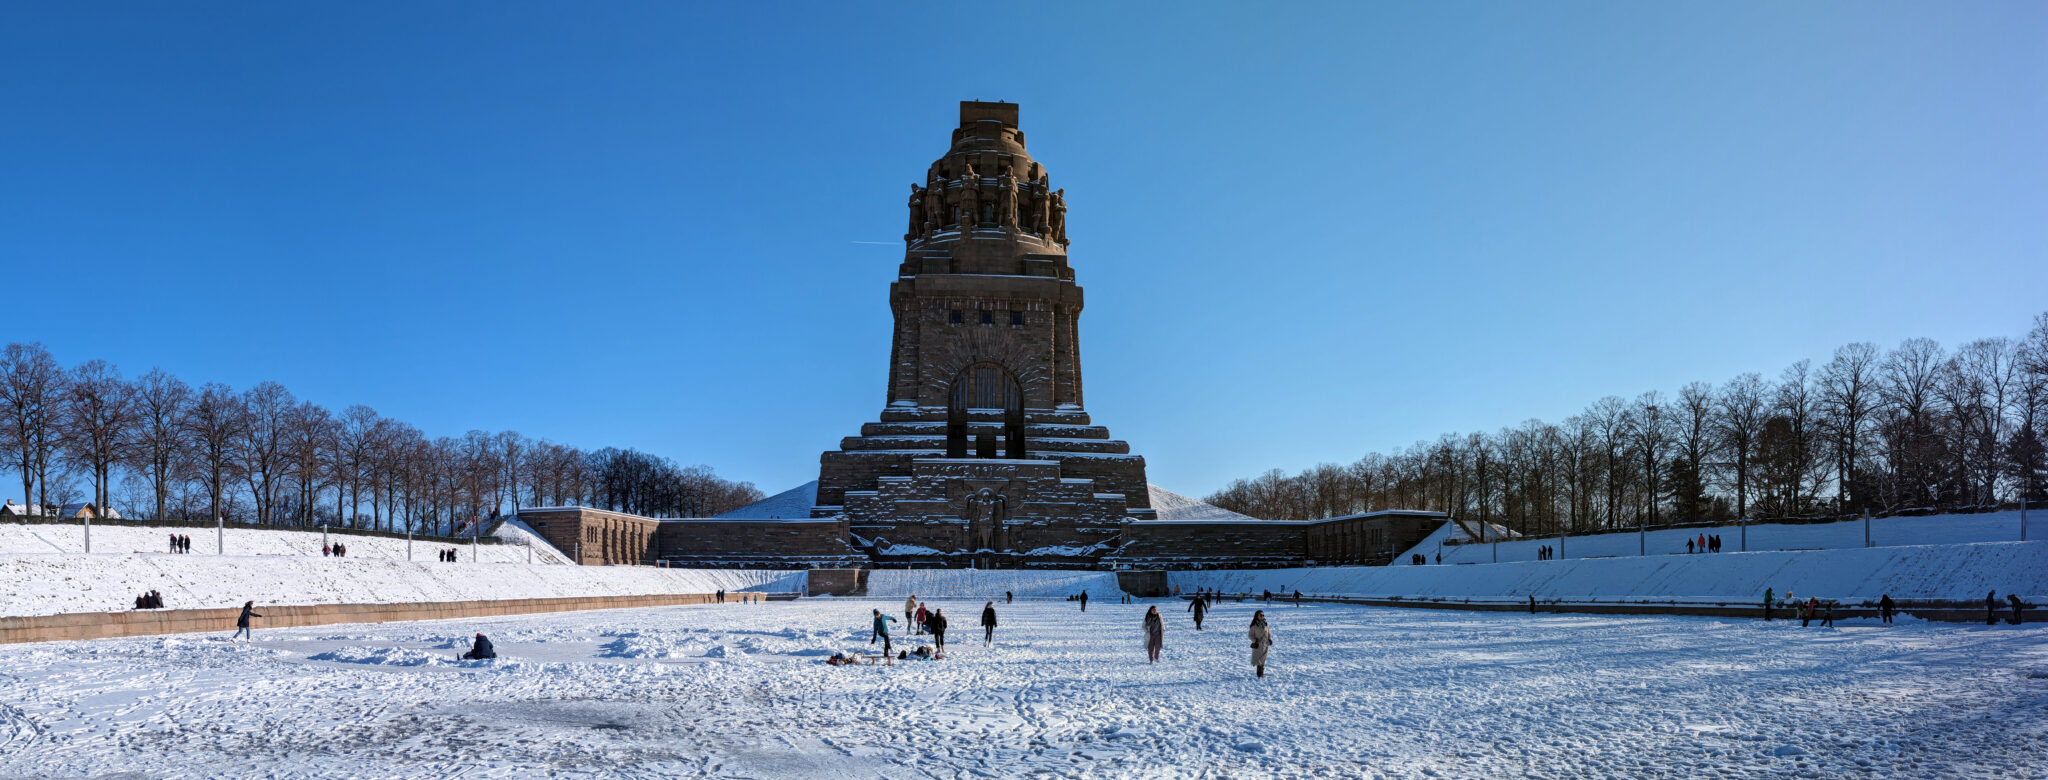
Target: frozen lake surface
{"x":741,"y":691}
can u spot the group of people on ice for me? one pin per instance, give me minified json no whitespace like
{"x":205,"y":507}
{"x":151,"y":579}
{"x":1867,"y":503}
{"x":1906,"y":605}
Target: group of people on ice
{"x":337,"y":550}
{"x":1706,"y":543}
{"x":181,"y":544}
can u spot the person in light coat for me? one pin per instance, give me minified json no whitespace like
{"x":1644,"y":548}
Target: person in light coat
{"x":1262,"y":640}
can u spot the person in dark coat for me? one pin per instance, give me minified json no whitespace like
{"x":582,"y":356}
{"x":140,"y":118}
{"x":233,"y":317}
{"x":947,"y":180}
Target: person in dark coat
{"x":1155,"y":634}
{"x":1806,"y":613}
{"x":936,"y":623}
{"x":1198,"y":606}
{"x":988,"y":624}
{"x":242,"y":623}
{"x":1084,"y":601}
{"x":2013,"y":598}
{"x":1009,"y":597}
{"x":1532,"y":603}
{"x":1297,"y":597}
{"x":1827,"y":615}
{"x":480,"y":649}
{"x":1886,"y":608}
{"x":1767,"y":604}
{"x":1991,"y":608}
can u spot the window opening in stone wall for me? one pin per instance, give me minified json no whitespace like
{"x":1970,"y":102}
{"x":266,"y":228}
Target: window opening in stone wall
{"x":988,"y":318}
{"x":954,"y":317}
{"x":1016,"y":318}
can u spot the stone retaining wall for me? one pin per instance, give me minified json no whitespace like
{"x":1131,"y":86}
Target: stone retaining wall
{"x":100,"y":625}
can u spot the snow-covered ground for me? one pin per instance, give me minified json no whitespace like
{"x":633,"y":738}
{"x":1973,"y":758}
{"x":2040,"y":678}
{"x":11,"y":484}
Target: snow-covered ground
{"x":53,"y":583}
{"x":740,"y":691}
{"x":1939,"y":571}
{"x":21,"y":538}
{"x":1884,"y":532}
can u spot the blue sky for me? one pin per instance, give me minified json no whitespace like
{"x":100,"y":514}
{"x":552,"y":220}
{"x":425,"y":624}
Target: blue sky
{"x":1307,"y":231}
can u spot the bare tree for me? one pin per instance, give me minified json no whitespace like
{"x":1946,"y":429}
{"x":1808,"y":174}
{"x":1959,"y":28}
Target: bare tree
{"x":260,"y":451}
{"x":98,"y":415}
{"x":216,"y":423}
{"x":1649,"y":435}
{"x":1697,"y":447}
{"x":1739,"y":419}
{"x":32,"y":389}
{"x":309,"y":437}
{"x":160,"y":444}
{"x":1848,"y":399}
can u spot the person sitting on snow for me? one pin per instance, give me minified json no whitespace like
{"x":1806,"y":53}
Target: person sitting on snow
{"x":480,"y":650}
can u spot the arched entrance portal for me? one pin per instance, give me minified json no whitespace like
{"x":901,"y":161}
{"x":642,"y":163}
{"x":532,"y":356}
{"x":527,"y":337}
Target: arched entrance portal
{"x":980,"y":390}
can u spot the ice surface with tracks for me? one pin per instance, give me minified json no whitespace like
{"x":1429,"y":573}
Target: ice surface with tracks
{"x":741,"y":691}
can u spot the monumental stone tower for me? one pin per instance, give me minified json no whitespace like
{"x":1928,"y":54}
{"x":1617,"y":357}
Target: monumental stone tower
{"x":984,"y":452}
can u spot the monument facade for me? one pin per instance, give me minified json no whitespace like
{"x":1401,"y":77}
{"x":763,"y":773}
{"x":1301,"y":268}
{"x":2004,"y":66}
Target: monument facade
{"x":983,"y":452}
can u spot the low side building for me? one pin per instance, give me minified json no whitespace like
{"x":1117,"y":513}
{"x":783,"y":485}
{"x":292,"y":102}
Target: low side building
{"x":598,"y":537}
{"x":1369,"y":539}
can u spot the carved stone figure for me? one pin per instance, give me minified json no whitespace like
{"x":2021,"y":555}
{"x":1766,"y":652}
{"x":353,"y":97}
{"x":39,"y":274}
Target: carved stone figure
{"x":1059,"y":216}
{"x":935,"y":205}
{"x":1006,"y":202}
{"x":970,"y":199}
{"x":1041,"y":211}
{"x":917,"y":230}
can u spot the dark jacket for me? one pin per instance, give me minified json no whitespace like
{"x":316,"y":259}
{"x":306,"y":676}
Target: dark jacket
{"x":988,"y":616}
{"x":247,"y":612}
{"x":1198,"y":606}
{"x":481,"y":649}
{"x":935,"y":623}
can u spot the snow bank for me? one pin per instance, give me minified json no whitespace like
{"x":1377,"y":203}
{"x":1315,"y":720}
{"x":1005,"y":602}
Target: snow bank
{"x":48,"y":584}
{"x":1947,"y":571}
{"x":988,"y":583}
{"x":1884,"y":532}
{"x":21,"y":538}
{"x":516,"y":531}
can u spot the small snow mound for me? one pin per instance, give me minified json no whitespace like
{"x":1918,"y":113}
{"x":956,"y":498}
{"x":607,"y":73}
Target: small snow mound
{"x":1249,"y":747}
{"x":1788,"y":750}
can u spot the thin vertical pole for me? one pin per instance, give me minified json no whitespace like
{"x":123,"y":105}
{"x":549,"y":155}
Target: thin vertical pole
{"x":88,"y":532}
{"x":1866,"y":528}
{"x":2023,"y":518}
{"x":220,"y":536}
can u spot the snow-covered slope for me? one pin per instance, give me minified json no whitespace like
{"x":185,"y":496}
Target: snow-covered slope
{"x":989,"y":584}
{"x":790,"y":504}
{"x":516,"y":531}
{"x":1178,"y":508}
{"x":1947,"y":571}
{"x":70,"y":538}
{"x":46,"y":584}
{"x":1884,"y":532}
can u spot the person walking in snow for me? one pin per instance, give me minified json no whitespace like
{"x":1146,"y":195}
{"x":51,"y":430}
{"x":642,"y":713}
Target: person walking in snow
{"x":1198,"y":606}
{"x":1155,"y":634}
{"x":1805,"y":617}
{"x":1084,"y":601}
{"x":988,"y":624}
{"x":242,"y":623}
{"x":936,"y":623}
{"x":922,"y":616}
{"x":881,"y":631}
{"x":1886,"y":608}
{"x":2014,"y":598}
{"x":1262,"y":640}
{"x":1767,"y":605}
{"x":1688,"y":547}
{"x":1009,"y":597}
{"x":1991,"y":608}
{"x":910,"y":609}
{"x":1827,"y":614}
{"x":1297,"y":597}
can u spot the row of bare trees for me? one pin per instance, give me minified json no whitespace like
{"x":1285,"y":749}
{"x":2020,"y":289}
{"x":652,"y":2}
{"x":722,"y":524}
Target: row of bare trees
{"x":1879,"y":431}
{"x":262,"y":455}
